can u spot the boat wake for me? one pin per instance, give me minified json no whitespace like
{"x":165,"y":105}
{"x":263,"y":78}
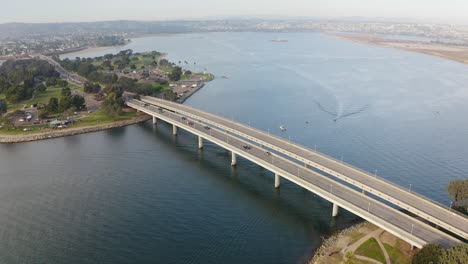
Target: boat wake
{"x":340,"y":112}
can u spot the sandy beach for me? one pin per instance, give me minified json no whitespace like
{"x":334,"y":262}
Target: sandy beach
{"x":454,"y":53}
{"x":87,"y":50}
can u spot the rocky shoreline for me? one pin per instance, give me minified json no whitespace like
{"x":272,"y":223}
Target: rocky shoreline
{"x":328,"y":244}
{"x":71,"y":131}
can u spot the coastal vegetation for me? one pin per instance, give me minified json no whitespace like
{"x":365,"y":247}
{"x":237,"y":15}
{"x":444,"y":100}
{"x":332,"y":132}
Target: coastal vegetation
{"x":120,"y":69}
{"x":23,"y":79}
{"x":106,"y":41}
{"x":435,"y":254}
{"x":35,"y":98}
{"x":458,"y":192}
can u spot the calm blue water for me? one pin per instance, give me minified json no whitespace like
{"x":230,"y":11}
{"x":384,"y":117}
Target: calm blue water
{"x":138,"y":195}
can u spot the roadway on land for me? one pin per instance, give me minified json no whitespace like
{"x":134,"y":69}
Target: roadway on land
{"x":388,"y":218}
{"x":414,"y":203}
{"x":69,"y":76}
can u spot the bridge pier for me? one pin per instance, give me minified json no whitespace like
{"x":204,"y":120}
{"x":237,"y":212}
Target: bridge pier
{"x":200,"y":142}
{"x":335,"y":210}
{"x":277,"y":180}
{"x":174,"y":130}
{"x":306,"y":166}
{"x":155,"y":120}
{"x":234,"y":159}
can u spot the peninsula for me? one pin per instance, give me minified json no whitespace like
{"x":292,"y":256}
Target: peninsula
{"x":44,"y":97}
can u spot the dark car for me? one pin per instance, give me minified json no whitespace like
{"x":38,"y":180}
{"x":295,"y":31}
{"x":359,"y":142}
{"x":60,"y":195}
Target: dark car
{"x":246,"y":147}
{"x":145,"y":105}
{"x":184,"y":118}
{"x":268,"y":153}
{"x":207,"y":127}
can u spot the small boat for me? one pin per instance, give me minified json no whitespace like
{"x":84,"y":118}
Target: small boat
{"x":282,"y":128}
{"x":279,"y":40}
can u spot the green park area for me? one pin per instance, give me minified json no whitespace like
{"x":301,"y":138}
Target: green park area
{"x":371,"y":249}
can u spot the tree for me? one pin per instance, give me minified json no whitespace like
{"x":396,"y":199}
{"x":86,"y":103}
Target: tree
{"x":3,"y":106}
{"x":458,"y":191}
{"x":65,"y":103}
{"x":175,"y":74}
{"x":62,"y":82}
{"x":429,"y":254}
{"x":53,"y":105}
{"x":455,"y":255}
{"x":133,"y":67}
{"x":78,"y":102}
{"x":66,"y":92}
{"x":40,"y":88}
{"x":112,"y":105}
{"x":91,"y":88}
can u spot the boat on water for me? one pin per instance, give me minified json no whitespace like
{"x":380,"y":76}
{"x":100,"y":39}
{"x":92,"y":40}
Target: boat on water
{"x":283,"y":128}
{"x":279,"y":40}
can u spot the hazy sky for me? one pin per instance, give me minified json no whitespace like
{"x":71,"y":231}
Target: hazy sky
{"x":98,"y":10}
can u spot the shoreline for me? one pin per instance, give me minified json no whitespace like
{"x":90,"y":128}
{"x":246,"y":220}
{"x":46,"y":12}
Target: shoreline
{"x":345,"y":246}
{"x":86,"y":50}
{"x":449,"y":52}
{"x":12,"y":139}
{"x":193,"y":91}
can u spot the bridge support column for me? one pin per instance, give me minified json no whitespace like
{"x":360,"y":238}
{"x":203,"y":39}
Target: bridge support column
{"x":306,"y":166}
{"x":234,"y":159}
{"x":155,"y":120}
{"x":335,"y":210}
{"x":277,"y":180}
{"x":200,"y":142}
{"x":174,"y":130}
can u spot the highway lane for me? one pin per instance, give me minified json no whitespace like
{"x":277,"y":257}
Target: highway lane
{"x":374,"y":211}
{"x":421,"y":206}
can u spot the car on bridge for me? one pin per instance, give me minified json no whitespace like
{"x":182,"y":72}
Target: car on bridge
{"x":207,"y":127}
{"x":190,"y":123}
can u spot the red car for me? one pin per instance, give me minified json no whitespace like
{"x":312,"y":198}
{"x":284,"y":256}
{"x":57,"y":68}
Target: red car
{"x":190,"y":123}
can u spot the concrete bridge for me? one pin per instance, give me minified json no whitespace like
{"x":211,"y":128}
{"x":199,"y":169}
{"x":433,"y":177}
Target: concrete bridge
{"x":241,"y":139}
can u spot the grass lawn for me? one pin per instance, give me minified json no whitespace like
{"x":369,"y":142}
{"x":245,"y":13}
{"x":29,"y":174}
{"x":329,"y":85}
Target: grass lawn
{"x":396,"y":256}
{"x":96,"y":118}
{"x":371,"y":249}
{"x":19,"y":130}
{"x":41,"y":98}
{"x":99,"y":117}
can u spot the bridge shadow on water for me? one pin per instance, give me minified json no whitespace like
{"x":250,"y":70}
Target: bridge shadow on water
{"x":290,"y":204}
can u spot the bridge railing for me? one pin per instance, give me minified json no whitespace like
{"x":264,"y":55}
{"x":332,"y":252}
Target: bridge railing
{"x":334,"y":160}
{"x":364,"y":172}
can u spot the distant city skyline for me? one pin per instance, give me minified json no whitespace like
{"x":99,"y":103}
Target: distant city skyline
{"x":44,"y":11}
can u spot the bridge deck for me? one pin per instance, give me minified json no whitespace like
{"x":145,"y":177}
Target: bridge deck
{"x":417,"y":204}
{"x":390,"y":219}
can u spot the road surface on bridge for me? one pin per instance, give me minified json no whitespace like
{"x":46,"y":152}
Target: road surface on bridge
{"x":401,"y":197}
{"x":410,"y":229}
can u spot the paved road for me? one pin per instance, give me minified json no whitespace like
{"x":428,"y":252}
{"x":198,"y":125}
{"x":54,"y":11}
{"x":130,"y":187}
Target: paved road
{"x":70,"y":77}
{"x":386,"y":217}
{"x":421,"y":206}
